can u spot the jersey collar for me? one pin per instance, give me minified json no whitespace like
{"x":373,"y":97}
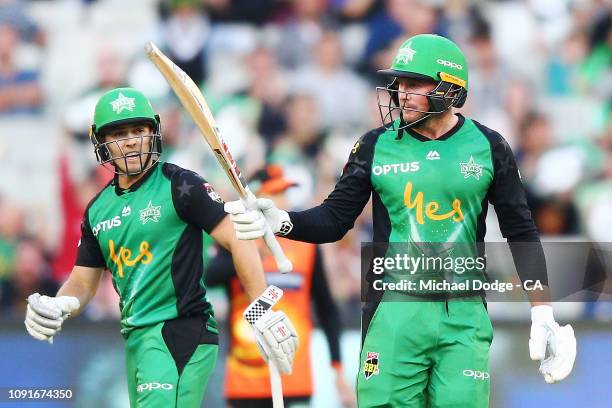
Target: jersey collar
{"x":445,"y":136}
{"x":120,"y":191}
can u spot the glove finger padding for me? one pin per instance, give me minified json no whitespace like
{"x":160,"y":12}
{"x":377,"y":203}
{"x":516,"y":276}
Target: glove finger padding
{"x":251,"y":221}
{"x":45,"y":331}
{"x":43,"y":321}
{"x":34,"y":333}
{"x":67,"y":304}
{"x":265,"y":204}
{"x":234,"y":207}
{"x":538,"y":340}
{"x":44,"y":306}
{"x":562,"y":348}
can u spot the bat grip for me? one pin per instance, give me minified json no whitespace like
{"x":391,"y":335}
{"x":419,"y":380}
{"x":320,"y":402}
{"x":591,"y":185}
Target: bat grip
{"x":282,"y":262}
{"x":276,"y":385}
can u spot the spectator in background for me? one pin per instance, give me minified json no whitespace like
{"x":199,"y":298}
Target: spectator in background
{"x":13,"y":12}
{"x":268,"y":85}
{"x":110,"y":74}
{"x":564,"y":69}
{"x":12,"y":227}
{"x":242,"y":11}
{"x":20,"y":91}
{"x":184,"y":35}
{"x":340,"y":95}
{"x":399,"y":19}
{"x":299,"y":34}
{"x":488,"y":78}
{"x":553,"y":211}
{"x":518,"y":104}
{"x":31,"y":274}
{"x":297,"y":148}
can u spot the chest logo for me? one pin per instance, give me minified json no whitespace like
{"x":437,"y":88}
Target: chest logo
{"x":123,"y":256}
{"x":471,"y":168}
{"x":396,"y":168}
{"x":150,"y":213}
{"x":430,"y":209}
{"x":126,"y":211}
{"x":106,"y":225}
{"x":433,"y":155}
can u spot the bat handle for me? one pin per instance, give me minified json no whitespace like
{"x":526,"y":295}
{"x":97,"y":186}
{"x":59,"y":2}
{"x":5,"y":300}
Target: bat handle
{"x":282,"y":262}
{"x":276,"y":385}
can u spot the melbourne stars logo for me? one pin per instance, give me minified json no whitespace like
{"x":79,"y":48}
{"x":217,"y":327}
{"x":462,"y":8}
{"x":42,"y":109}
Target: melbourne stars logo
{"x":471,"y":168}
{"x":122,"y":102}
{"x":150,"y":213}
{"x":405,"y":54}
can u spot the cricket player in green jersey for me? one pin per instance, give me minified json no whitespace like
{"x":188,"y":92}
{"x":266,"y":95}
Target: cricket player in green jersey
{"x":431,"y":173}
{"x":147,"y":228}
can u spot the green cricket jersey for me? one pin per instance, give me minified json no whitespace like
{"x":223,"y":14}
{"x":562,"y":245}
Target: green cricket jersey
{"x":150,"y":237}
{"x":425,"y":190}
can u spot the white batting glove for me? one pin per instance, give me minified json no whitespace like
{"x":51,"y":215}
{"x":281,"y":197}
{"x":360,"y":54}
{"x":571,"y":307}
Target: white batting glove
{"x":45,"y":315}
{"x":276,"y":337}
{"x":251,"y":223}
{"x":547,"y":337}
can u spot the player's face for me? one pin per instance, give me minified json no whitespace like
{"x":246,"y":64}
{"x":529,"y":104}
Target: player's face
{"x":412,"y":97}
{"x":130,"y":145}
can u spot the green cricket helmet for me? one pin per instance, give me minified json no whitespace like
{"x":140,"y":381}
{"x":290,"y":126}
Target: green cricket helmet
{"x":429,"y":57}
{"x":120,"y":107}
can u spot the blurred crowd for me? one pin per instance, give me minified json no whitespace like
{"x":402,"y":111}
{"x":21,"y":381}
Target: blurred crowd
{"x":293,"y":83}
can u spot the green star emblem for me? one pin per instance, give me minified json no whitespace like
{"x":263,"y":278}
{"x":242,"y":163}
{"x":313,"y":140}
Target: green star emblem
{"x":150,"y":213}
{"x":471,"y":168}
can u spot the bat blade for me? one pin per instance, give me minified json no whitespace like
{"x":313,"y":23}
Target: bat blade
{"x":194,"y":103}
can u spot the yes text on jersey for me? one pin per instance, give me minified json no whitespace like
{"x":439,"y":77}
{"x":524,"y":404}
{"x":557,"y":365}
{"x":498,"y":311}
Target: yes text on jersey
{"x":431,"y":208}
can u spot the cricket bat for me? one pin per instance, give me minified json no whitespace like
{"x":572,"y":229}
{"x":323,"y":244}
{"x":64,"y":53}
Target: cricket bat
{"x":194,"y":103}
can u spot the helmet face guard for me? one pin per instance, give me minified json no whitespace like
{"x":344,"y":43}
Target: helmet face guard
{"x":444,"y":96}
{"x":147,"y":156}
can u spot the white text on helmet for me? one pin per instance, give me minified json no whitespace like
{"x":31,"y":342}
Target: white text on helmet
{"x":449,"y":64}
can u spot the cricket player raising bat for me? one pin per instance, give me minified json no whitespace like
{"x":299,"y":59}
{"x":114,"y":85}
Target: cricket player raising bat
{"x":146,"y":226}
{"x":431,"y":173}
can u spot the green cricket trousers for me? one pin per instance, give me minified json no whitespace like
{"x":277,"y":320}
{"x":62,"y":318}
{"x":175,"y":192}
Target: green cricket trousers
{"x":168,"y":364}
{"x":425,"y":354}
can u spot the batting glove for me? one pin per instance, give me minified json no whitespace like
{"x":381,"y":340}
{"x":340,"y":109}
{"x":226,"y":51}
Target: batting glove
{"x":547,"y":337}
{"x":251,"y":223}
{"x":276,"y":337}
{"x":45,"y":315}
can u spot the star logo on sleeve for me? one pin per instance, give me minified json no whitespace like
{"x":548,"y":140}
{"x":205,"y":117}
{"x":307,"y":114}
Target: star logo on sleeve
{"x":121,"y":103}
{"x":184,"y":189}
{"x":150,"y":213}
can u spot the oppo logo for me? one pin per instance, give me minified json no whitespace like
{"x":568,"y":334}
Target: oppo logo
{"x":449,"y":64}
{"x":153,"y":386}
{"x":477,"y":375}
